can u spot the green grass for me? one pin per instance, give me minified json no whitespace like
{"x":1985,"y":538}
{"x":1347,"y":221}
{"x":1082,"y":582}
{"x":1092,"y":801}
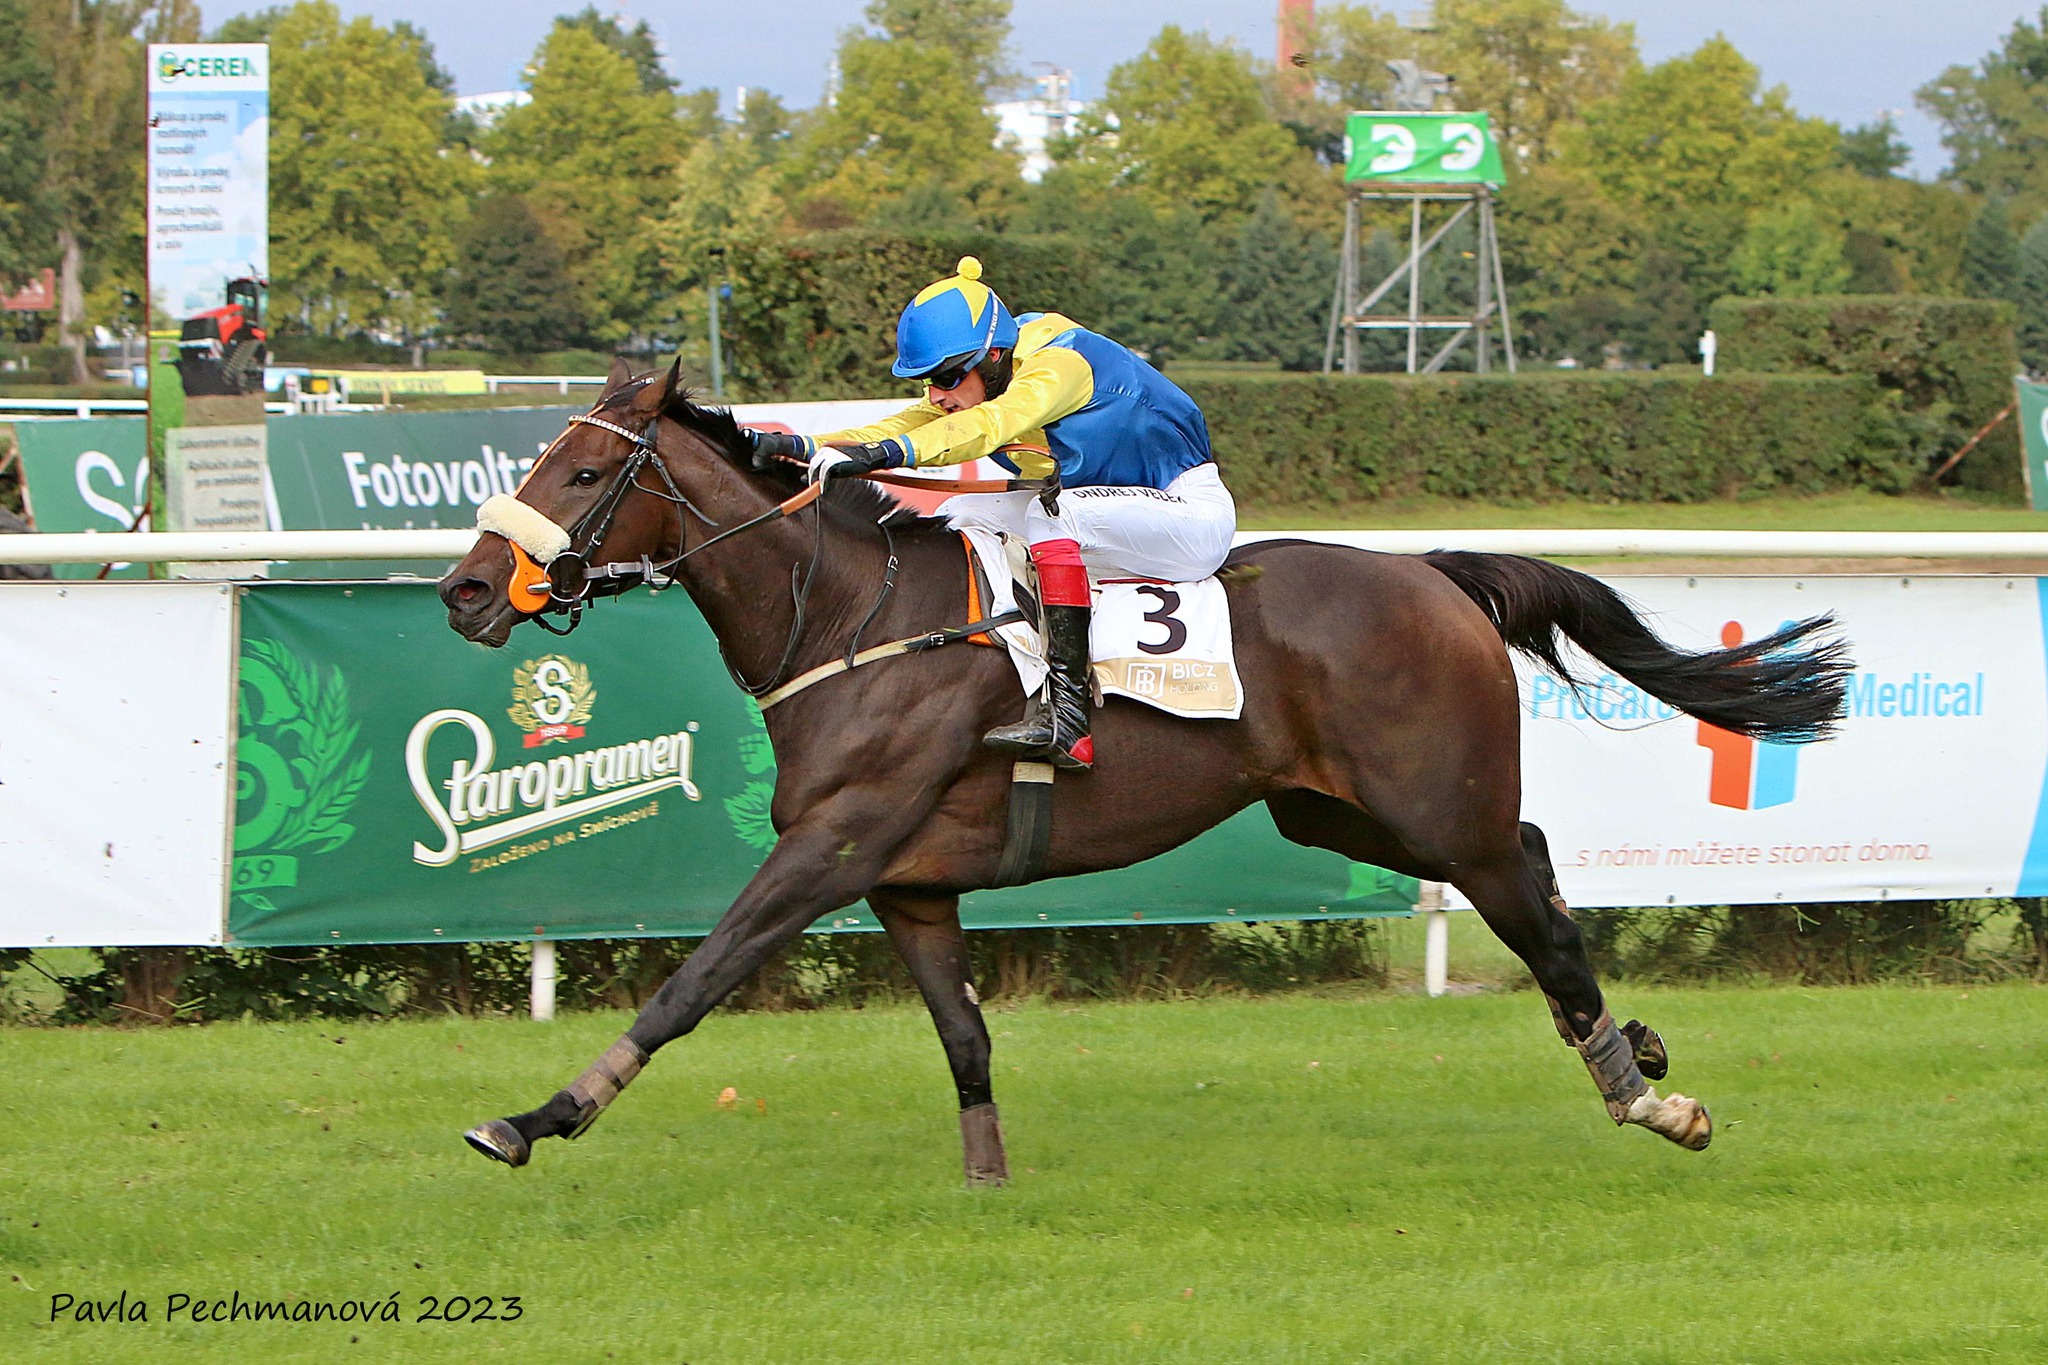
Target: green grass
{"x":1856,"y":510}
{"x":1288,"y":1179}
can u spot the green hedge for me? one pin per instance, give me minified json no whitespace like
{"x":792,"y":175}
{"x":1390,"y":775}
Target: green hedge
{"x":1951,"y":361}
{"x":1632,"y":437}
{"x":815,"y":316}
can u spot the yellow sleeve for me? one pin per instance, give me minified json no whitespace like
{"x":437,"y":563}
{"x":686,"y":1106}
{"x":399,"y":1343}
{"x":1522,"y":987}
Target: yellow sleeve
{"x":910,"y":419}
{"x":1050,"y":384}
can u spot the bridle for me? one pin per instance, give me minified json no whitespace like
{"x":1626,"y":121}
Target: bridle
{"x":569,"y":582}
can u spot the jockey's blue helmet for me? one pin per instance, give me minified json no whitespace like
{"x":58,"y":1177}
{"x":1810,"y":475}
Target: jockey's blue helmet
{"x":952,"y":325}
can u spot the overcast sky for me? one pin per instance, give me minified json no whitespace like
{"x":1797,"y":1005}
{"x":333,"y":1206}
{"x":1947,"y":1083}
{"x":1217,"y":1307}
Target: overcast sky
{"x":1846,"y":60}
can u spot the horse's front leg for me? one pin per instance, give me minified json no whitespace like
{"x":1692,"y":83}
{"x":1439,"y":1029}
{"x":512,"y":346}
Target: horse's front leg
{"x":827,"y":860}
{"x":926,"y":932}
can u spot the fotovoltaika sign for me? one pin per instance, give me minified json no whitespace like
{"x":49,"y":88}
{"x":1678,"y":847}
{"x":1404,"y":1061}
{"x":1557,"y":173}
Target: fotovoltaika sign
{"x":395,"y":783}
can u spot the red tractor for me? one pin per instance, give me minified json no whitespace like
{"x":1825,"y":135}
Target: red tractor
{"x":223,"y":350}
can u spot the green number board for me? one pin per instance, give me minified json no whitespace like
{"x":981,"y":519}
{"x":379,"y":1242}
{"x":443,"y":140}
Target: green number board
{"x":1420,"y":149}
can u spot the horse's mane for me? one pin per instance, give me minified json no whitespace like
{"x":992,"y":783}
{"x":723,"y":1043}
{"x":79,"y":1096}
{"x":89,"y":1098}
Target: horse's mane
{"x":849,"y":499}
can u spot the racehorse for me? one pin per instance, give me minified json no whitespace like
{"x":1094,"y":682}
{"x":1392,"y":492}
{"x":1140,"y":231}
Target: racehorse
{"x":1381,"y":720}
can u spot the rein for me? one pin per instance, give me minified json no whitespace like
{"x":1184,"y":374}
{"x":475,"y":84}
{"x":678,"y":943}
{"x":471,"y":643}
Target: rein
{"x":572,"y":582}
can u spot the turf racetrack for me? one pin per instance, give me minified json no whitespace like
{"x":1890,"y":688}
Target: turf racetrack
{"x":1289,"y":1179}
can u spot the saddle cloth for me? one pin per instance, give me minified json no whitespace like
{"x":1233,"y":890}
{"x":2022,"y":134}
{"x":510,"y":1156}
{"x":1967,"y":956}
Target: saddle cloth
{"x":1165,"y":644}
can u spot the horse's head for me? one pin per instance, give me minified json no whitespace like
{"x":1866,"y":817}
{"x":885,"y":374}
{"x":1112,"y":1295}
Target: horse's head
{"x":577,"y":504}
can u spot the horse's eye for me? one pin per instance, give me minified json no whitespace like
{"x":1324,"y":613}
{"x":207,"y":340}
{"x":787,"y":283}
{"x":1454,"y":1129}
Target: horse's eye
{"x":584,"y":478}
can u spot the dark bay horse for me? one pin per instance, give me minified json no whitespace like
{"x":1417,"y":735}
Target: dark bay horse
{"x":1381,"y":720}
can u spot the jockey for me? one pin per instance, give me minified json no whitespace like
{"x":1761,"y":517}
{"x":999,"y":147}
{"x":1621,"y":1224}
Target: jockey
{"x":1137,"y":493}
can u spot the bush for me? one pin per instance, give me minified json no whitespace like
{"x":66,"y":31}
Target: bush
{"x":1951,"y":361}
{"x":815,"y":316}
{"x":1829,"y":943}
{"x":1631,"y":437}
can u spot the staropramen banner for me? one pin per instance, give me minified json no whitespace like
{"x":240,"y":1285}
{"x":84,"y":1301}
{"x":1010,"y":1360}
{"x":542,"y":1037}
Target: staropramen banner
{"x":1420,"y":149}
{"x":395,"y":783}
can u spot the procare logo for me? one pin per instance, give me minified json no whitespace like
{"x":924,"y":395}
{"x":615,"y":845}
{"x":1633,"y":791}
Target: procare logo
{"x":478,"y":805}
{"x":1745,"y":773}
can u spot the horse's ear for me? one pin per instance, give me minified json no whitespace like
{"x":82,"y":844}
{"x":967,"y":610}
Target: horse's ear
{"x":671,"y":384}
{"x":621,"y":372}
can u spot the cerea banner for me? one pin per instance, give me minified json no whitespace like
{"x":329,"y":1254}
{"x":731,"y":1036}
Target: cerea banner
{"x":1933,"y":786}
{"x":207,"y":192}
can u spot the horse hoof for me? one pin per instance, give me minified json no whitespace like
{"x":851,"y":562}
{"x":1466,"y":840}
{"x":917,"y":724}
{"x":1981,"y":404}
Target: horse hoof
{"x":1651,"y":1058}
{"x":1680,"y":1118}
{"x":499,"y":1141}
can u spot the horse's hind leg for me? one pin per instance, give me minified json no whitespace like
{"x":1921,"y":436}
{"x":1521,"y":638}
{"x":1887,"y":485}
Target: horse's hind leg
{"x":1516,"y":894}
{"x":1647,"y":1045}
{"x":926,"y":931}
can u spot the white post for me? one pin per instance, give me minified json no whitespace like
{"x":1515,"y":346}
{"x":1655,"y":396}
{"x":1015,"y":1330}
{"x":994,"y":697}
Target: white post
{"x":1436,"y":943}
{"x":543,"y":993}
{"x":1709,"y":343}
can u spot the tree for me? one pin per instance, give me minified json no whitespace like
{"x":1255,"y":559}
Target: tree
{"x":92,"y":167}
{"x":1186,"y":124}
{"x":1791,"y":249}
{"x":363,"y":205}
{"x":1875,"y":149}
{"x":1991,"y":255}
{"x":510,"y":286}
{"x":595,"y":154}
{"x":1277,"y":287}
{"x":26,"y":98}
{"x":2033,"y":300}
{"x":975,"y":32}
{"x":908,"y":113}
{"x":1695,"y":148}
{"x":1533,"y":65}
{"x":1995,"y":116}
{"x":636,"y":45}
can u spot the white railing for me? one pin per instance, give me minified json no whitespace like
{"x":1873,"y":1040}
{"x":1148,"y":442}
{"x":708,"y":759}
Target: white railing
{"x":560,"y":381}
{"x":452,"y":544}
{"x":86,"y":407}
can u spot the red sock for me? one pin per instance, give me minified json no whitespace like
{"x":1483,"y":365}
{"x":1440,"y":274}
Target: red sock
{"x":1062,"y":579}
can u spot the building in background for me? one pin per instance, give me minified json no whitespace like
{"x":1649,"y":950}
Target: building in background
{"x":1029,"y":124}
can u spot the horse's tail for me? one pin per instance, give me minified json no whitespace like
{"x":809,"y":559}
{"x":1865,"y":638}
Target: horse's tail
{"x":1786,"y":686}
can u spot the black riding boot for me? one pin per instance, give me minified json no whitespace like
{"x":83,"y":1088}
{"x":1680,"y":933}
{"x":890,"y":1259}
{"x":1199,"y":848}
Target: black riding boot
{"x":1056,"y":731}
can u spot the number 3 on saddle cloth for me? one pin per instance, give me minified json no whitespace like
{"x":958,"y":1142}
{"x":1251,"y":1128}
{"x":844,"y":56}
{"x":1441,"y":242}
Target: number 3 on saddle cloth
{"x":1165,"y":644}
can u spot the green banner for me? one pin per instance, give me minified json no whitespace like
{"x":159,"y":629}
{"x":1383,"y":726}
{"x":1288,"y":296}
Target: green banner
{"x":397,"y":784}
{"x":1420,"y":149}
{"x":2033,"y":414}
{"x":329,"y":471}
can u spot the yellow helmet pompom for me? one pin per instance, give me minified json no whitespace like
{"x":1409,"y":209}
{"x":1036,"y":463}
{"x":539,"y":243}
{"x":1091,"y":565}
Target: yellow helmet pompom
{"x":969,"y":268}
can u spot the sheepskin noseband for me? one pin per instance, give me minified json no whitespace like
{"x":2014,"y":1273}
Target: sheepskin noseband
{"x":523,"y":526}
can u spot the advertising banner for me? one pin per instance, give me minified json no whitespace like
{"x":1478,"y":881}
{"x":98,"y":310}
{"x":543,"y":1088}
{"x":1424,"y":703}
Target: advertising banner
{"x":114,"y":786}
{"x":207,"y":204}
{"x":351,"y":471}
{"x":398,"y":784}
{"x":1420,"y":149}
{"x":2032,"y":400}
{"x":1932,"y":788}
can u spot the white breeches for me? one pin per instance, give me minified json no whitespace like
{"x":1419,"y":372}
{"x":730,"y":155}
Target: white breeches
{"x":1179,"y":535}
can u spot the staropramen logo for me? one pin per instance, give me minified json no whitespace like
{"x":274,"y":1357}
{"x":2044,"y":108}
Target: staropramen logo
{"x":551,"y":698}
{"x":477,"y":805}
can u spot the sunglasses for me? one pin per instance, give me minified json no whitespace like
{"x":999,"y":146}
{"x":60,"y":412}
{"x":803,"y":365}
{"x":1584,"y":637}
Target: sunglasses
{"x":953,"y":373}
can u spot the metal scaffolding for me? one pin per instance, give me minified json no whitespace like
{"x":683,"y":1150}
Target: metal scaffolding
{"x":1350,"y":314}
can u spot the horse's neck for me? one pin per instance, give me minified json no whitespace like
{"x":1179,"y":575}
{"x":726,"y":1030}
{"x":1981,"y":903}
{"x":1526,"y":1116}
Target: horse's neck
{"x":748,"y":597}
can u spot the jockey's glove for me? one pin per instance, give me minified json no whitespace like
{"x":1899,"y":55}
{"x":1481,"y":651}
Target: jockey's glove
{"x":772,"y":445}
{"x":845,"y":461}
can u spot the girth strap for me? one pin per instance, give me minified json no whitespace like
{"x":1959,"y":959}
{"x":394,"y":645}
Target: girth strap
{"x":912,"y":644}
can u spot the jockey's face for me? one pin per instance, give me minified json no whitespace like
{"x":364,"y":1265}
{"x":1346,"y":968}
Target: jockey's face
{"x":971,"y":389}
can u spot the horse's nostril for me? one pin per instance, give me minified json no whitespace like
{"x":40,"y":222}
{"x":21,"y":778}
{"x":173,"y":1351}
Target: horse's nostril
{"x":460,"y":592}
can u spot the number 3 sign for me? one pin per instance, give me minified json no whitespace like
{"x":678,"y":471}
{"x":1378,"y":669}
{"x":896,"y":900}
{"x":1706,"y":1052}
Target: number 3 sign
{"x":1428,"y":149}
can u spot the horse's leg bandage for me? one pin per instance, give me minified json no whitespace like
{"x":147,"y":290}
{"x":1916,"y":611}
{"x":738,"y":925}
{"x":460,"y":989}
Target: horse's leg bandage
{"x":602,"y":1082}
{"x":524,"y":526}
